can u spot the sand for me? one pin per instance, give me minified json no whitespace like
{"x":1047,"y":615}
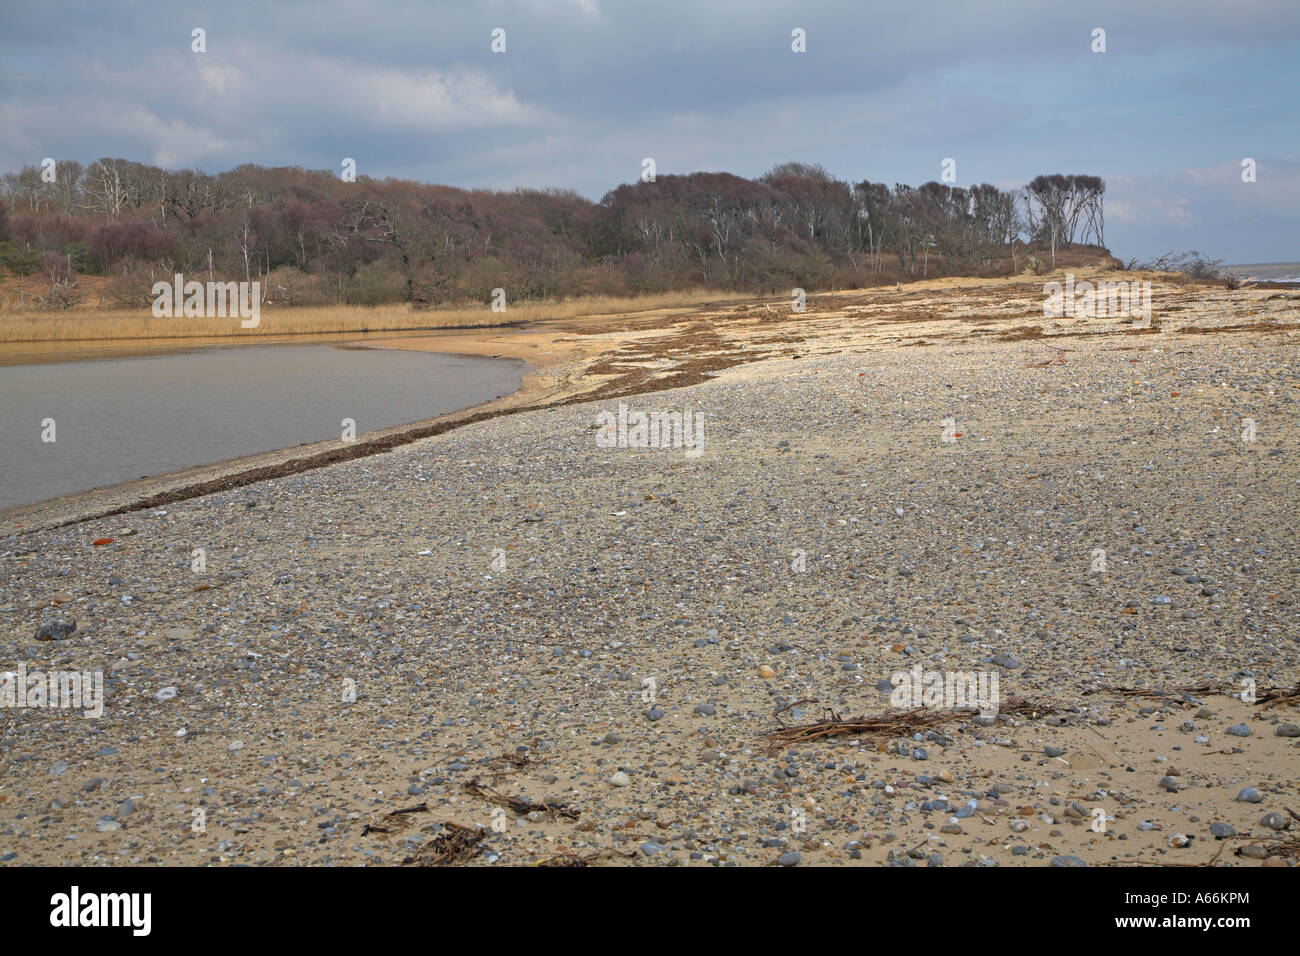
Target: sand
{"x":608,"y":636}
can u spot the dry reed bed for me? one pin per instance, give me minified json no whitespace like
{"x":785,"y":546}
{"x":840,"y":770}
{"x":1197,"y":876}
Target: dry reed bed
{"x":308,"y":320}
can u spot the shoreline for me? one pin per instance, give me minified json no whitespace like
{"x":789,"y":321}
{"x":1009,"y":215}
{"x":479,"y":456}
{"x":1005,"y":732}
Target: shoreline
{"x":207,"y":478}
{"x":547,"y":381}
{"x":606,"y":356}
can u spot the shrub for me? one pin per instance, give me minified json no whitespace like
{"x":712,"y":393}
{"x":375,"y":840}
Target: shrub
{"x":22,"y":262}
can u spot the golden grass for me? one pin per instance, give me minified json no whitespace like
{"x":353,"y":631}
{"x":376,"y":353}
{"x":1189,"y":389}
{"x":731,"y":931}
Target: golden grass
{"x":79,"y":325}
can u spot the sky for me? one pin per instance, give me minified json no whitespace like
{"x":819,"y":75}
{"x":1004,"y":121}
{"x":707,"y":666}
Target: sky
{"x":587,"y":89}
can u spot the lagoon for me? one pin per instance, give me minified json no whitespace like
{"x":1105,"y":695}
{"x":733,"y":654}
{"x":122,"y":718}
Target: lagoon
{"x":123,"y":418}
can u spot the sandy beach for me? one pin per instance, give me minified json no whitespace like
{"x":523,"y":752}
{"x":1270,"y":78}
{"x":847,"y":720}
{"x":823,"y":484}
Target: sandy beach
{"x":550,"y":651}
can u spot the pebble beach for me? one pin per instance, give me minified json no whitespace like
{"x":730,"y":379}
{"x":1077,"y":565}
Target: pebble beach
{"x":508,"y":644}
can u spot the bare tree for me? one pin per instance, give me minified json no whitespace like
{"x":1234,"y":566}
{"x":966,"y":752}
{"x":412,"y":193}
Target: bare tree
{"x":104,"y":189}
{"x":371,"y":221}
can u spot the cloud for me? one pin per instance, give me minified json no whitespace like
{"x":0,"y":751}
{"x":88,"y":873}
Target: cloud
{"x":587,"y":89}
{"x":1211,"y":209}
{"x":242,"y":106}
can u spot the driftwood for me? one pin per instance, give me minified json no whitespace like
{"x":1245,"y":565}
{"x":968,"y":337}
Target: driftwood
{"x":1276,"y":695}
{"x":1135,"y":692}
{"x":790,"y":706}
{"x":380,"y":828}
{"x":507,"y":763}
{"x":418,"y":808}
{"x":569,"y":858}
{"x":1271,"y":697}
{"x":456,"y":844}
{"x":1163,"y":863}
{"x":894,"y":724}
{"x":520,"y":805}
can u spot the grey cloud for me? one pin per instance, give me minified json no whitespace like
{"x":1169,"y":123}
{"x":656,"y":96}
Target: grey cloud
{"x":588,"y":87}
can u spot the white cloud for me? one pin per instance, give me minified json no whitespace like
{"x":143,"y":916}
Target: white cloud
{"x":239,"y":108}
{"x":461,"y":99}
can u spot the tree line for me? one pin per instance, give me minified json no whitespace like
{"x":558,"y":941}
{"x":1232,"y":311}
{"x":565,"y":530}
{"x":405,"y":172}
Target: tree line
{"x":312,"y":238}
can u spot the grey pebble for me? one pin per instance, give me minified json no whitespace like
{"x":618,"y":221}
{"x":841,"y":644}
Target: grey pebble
{"x":55,"y":630}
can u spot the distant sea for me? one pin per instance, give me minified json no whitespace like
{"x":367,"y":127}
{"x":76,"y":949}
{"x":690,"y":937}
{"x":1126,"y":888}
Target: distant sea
{"x":1266,"y":271}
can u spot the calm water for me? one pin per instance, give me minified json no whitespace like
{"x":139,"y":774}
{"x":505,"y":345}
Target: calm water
{"x":121,"y":419}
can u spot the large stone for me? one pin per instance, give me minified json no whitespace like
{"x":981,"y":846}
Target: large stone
{"x":55,"y":630}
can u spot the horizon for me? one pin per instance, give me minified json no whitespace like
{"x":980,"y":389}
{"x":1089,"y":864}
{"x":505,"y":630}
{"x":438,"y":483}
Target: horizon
{"x":584,"y":91}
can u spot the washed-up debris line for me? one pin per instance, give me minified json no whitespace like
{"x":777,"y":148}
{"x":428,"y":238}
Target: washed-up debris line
{"x":893,"y":724}
{"x":1271,"y":697}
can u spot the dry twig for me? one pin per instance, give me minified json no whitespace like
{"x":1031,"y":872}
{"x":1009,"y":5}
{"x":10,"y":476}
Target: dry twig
{"x":1271,"y":697}
{"x":396,"y":817}
{"x":569,"y":858}
{"x":456,"y":844}
{"x":520,"y":805}
{"x":905,"y":723}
